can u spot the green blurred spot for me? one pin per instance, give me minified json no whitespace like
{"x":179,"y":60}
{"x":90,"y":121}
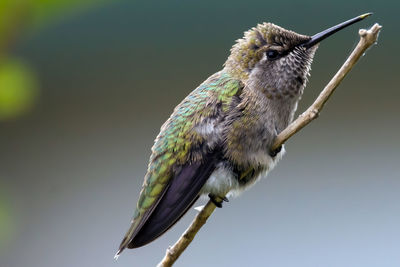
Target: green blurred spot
{"x":47,"y":11}
{"x":34,"y":12}
{"x":18,"y":89}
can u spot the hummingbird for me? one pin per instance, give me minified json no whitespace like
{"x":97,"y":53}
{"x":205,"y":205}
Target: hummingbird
{"x":218,"y":140}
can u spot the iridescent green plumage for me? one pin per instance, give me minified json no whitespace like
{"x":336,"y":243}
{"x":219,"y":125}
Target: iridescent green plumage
{"x":176,"y":143}
{"x":179,"y":143}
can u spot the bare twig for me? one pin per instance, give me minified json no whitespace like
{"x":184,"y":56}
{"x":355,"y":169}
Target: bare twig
{"x":367,"y":39}
{"x":176,"y":250}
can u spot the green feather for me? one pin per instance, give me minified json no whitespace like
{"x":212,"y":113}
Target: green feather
{"x":173,"y":145}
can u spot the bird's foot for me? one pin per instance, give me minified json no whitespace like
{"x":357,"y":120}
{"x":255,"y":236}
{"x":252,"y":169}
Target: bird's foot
{"x":217,"y":200}
{"x":275,"y":152}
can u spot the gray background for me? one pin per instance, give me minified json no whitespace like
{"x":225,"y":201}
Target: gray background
{"x":72,"y":168}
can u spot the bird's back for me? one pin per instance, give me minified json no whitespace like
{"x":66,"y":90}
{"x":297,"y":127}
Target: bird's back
{"x":183,"y":157}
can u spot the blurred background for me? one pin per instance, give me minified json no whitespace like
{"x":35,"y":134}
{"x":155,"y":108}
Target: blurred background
{"x":85,"y":86}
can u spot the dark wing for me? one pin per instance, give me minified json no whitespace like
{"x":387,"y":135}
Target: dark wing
{"x":180,"y":195}
{"x":177,"y":197}
{"x":181,"y":161}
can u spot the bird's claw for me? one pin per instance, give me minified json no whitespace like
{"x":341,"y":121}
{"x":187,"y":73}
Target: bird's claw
{"x":275,"y":152}
{"x":217,"y":200}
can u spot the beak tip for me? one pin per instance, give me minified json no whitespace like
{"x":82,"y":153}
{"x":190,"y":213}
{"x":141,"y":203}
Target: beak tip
{"x":328,"y":32}
{"x":363,"y":16}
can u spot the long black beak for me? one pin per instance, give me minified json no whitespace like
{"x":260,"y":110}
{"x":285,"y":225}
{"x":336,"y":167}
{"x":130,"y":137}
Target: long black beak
{"x":315,"y":39}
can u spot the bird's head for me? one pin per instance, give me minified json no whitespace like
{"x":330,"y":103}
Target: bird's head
{"x":277,"y":60}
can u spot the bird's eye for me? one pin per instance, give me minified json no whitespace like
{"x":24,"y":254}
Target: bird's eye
{"x":272,"y":54}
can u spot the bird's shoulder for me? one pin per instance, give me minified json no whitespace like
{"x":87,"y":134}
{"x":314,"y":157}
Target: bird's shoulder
{"x":202,"y":108}
{"x":179,"y":141}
